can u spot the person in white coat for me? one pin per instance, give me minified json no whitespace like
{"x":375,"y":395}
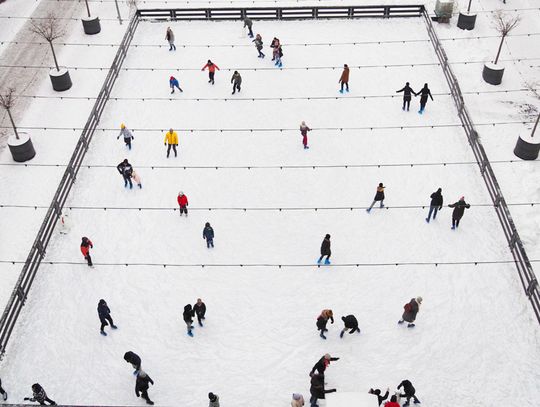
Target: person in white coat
{"x":65,"y":224}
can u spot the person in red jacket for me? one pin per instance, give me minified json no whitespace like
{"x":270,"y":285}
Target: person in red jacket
{"x":182,"y":202}
{"x":392,"y":403}
{"x":86,"y":244}
{"x":211,"y":70}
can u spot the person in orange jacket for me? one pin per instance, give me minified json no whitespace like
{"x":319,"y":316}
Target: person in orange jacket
{"x":344,"y":78}
{"x":182,"y":202}
{"x":211,"y":70}
{"x":171,"y":138}
{"x":86,"y":244}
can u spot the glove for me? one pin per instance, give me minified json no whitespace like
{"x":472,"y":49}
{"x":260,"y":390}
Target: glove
{"x":440,"y":208}
{"x":164,"y":144}
{"x":26,"y":398}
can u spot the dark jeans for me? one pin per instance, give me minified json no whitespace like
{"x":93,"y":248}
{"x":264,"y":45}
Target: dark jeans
{"x":88,"y":259}
{"x":127,"y":178}
{"x":407,"y":102}
{"x":128,"y":142}
{"x":183,"y":209}
{"x":313,"y":401}
{"x":432,"y":209}
{"x":209,"y":242}
{"x":200,"y":317}
{"x":176,"y":86}
{"x":455,"y":222}
{"x":261,"y":54}
{"x":409,"y":396}
{"x":104,"y":322}
{"x":373,"y":203}
{"x":346,"y":85}
{"x":323,"y":255}
{"x":144,"y":395}
{"x":250,"y":33}
{"x":173,"y":146}
{"x":211,"y":77}
{"x":172,"y":46}
{"x":235,"y":87}
{"x":423,"y":104}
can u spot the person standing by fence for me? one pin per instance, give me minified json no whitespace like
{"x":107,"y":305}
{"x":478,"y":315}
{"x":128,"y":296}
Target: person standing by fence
{"x":249,"y":24}
{"x":86,"y":245}
{"x":325,"y":250}
{"x":211,"y":71}
{"x":169,"y":36}
{"x":171,"y":141}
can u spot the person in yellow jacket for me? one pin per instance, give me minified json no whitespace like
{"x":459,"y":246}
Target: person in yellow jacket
{"x":171,"y":138}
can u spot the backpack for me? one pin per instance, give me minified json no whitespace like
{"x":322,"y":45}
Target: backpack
{"x":407,"y":307}
{"x":280,"y":52}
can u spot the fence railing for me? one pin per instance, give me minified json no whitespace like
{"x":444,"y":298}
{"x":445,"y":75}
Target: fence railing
{"x":37,"y":251}
{"x":282,"y":13}
{"x":521,"y":261}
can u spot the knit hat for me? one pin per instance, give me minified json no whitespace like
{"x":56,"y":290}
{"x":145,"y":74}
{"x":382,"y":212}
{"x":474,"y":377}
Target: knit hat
{"x":171,"y":78}
{"x":212,"y":396}
{"x":296,"y":396}
{"x":180,"y":193}
{"x":122,"y":126}
{"x":327,"y":356}
{"x":419,"y":300}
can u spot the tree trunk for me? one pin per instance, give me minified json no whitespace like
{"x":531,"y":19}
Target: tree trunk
{"x":499,"y":51}
{"x":469,"y":8}
{"x":118,"y":11}
{"x":13,"y":124}
{"x":87,"y":8}
{"x":534,"y":128}
{"x":54,"y":56}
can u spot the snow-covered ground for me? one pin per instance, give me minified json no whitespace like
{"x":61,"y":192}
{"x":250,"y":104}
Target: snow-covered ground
{"x":476,"y":336}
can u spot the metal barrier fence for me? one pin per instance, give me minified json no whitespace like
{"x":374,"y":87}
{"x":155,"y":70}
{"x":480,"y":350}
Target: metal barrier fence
{"x":37,"y":252}
{"x":523,"y":265}
{"x":282,"y":13}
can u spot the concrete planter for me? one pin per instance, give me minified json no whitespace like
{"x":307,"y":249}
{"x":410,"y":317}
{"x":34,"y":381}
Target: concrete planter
{"x":91,"y":25}
{"x":21,"y":149}
{"x":60,"y":79}
{"x":492,"y":73}
{"x":527,"y":148}
{"x":466,"y":21}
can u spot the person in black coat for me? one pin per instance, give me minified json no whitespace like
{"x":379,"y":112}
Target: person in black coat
{"x":379,"y":196}
{"x":407,"y":91}
{"x":325,"y":250}
{"x":39,"y":395}
{"x":126,"y":170}
{"x":377,"y":393}
{"x":322,"y":363}
{"x":142,"y":386}
{"x":459,"y":210}
{"x":134,"y":359}
{"x":3,"y":392}
{"x":208,"y":234}
{"x":424,"y":93}
{"x":410,"y":311}
{"x":409,"y":391}
{"x":317,"y":389}
{"x":351,"y":323}
{"x":435,"y":205}
{"x":200,"y":310}
{"x":188,"y":318}
{"x":104,"y":314}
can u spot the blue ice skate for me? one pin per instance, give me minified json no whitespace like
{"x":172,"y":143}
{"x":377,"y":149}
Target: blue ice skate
{"x":368,"y":210}
{"x":327,"y":262}
{"x":114,"y":327}
{"x":190,"y":333}
{"x":341,"y":91}
{"x":319,"y":261}
{"x":347,"y":90}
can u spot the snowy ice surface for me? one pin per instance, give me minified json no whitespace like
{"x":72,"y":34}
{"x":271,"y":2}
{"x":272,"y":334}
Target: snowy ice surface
{"x":476,"y":336}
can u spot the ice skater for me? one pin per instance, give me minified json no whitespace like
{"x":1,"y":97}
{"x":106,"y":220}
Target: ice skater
{"x":182,"y":203}
{"x":211,"y":71}
{"x":135,"y":176}
{"x":171,"y":141}
{"x":304,"y":131}
{"x":409,"y":391}
{"x":208,"y":235}
{"x":86,"y":245}
{"x":459,"y":210}
{"x":65,"y":224}
{"x":188,"y":318}
{"x":213,"y":400}
{"x":435,"y":205}
{"x":407,"y":92}
{"x":351,"y":323}
{"x":322,"y":320}
{"x":410,"y":310}
{"x":297,"y":400}
{"x":325,"y":250}
{"x":125,"y":169}
{"x":134,"y":359}
{"x":317,"y":389}
{"x":377,"y":392}
{"x":393,"y":402}
{"x":344,"y":78}
{"x":322,"y":364}
{"x":3,"y":392}
{"x":259,"y":45}
{"x":379,"y":197}
{"x":274,"y":45}
{"x":249,"y":24}
{"x":142,"y":384}
{"x":104,"y":314}
{"x":39,"y":395}
{"x":173,"y":83}
{"x":236,"y":80}
{"x":128,"y":135}
{"x":424,"y":93}
{"x":200,"y":311}
{"x":169,"y":36}
{"x":279,"y":55}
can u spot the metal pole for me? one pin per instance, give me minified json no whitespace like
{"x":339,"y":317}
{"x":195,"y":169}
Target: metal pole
{"x":17,"y":134}
{"x":118,"y":11}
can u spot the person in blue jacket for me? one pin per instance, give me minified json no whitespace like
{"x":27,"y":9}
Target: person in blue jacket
{"x":173,"y":83}
{"x":208,"y":234}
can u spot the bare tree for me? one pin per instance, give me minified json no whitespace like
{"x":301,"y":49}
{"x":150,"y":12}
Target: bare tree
{"x":49,"y":29}
{"x":504,"y":24}
{"x":7,"y":101}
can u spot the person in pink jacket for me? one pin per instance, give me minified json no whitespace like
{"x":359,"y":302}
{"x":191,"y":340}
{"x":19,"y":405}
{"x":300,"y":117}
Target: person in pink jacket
{"x":136,"y":178}
{"x":297,"y":400}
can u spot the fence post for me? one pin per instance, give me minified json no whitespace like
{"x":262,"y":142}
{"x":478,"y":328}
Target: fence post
{"x":279,"y":13}
{"x":350,"y":12}
{"x":532,"y":286}
{"x":387,"y":11}
{"x":315,"y":12}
